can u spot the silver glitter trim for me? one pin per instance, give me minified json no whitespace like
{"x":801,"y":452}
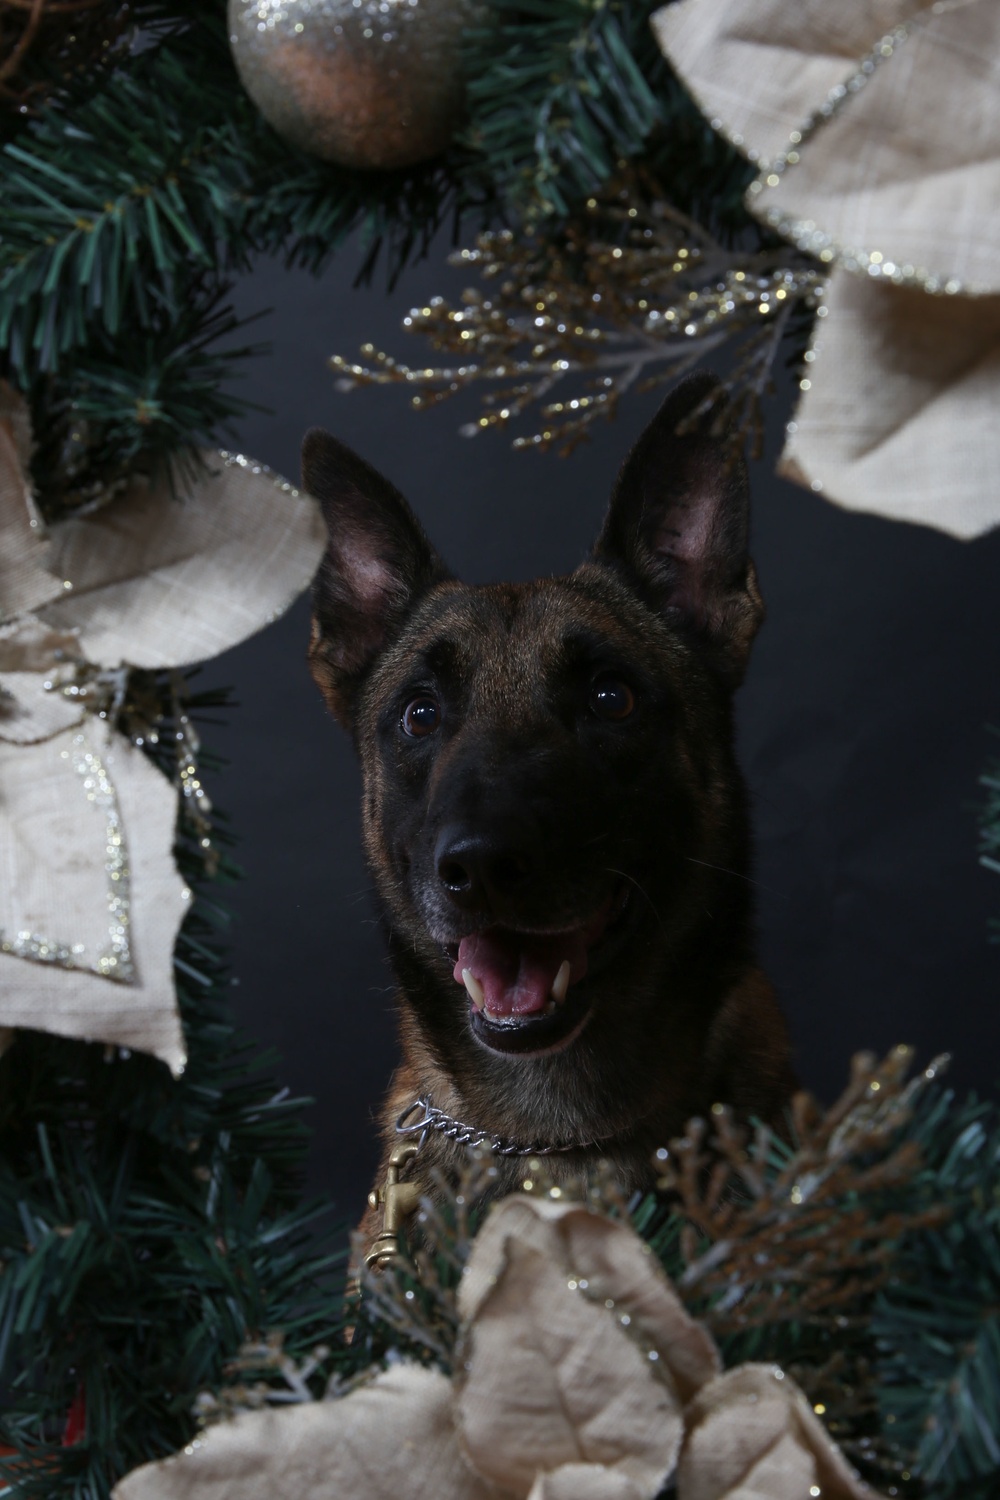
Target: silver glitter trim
{"x":805,"y":234}
{"x":252,"y":466}
{"x":115,"y":961}
{"x":240,"y":461}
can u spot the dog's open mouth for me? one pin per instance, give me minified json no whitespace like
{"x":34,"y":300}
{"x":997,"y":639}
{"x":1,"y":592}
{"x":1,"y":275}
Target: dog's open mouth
{"x":522,"y":986}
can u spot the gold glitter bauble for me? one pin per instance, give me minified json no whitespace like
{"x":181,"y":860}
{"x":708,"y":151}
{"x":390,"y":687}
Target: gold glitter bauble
{"x":365,"y":83}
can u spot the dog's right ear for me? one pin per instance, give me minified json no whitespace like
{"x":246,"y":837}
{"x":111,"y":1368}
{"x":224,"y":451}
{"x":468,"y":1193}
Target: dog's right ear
{"x":377,"y":564}
{"x":678,"y":522}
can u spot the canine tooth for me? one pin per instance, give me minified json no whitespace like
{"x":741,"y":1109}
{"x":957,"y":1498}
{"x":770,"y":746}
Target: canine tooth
{"x":474,"y":988}
{"x":561,"y":982}
{"x":550,"y":1008}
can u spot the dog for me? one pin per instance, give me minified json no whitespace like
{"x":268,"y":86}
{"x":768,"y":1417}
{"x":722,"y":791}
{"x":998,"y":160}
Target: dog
{"x":553,"y":815}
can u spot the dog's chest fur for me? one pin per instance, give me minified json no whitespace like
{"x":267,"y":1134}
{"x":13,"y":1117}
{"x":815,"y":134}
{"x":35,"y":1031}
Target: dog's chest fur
{"x":552,"y":811}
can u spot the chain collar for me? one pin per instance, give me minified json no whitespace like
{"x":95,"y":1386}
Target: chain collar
{"x":421,"y":1117}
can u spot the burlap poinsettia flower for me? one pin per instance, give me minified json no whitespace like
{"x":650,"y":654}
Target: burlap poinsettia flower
{"x":90,"y":898}
{"x":580,"y":1377}
{"x":875,"y":125}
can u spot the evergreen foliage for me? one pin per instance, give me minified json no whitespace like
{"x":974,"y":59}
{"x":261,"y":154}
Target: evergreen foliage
{"x":140,"y":189}
{"x":564,"y":93}
{"x":128,"y":208}
{"x":863,"y":1260}
{"x":557,"y":96}
{"x":989,"y":828}
{"x":937,"y":1325}
{"x":148,"y":1227}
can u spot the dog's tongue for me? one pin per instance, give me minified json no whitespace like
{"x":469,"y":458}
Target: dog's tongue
{"x":517,"y":970}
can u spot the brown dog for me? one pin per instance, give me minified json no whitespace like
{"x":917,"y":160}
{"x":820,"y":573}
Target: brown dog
{"x":552,"y":812}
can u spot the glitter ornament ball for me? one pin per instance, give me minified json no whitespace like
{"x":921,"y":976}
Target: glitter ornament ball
{"x":365,"y":83}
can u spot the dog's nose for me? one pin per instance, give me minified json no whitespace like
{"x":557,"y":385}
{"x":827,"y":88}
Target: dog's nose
{"x":478,"y":871}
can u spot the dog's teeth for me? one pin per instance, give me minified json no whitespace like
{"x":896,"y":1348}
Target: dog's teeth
{"x":474,"y":988}
{"x":550,"y":1008}
{"x":561,"y":982}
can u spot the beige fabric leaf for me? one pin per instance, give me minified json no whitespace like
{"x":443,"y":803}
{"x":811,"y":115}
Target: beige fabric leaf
{"x":391,"y":1437}
{"x":900,"y":416}
{"x":760,"y":68}
{"x":30,"y":656}
{"x":617,"y":1265}
{"x":66,"y":965}
{"x":29,"y":714}
{"x":752,"y":1435}
{"x":159,"y":581}
{"x":25,"y":581}
{"x":551,"y":1377}
{"x":880,"y":185}
{"x":904,"y":179}
{"x":585,"y":1482}
{"x":26,"y":645}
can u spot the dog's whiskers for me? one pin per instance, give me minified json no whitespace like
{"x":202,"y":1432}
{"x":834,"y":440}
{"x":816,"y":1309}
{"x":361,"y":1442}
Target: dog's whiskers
{"x":642,"y":892}
{"x":737,"y":875}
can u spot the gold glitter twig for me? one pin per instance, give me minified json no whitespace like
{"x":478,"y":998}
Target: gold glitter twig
{"x":632,"y":296}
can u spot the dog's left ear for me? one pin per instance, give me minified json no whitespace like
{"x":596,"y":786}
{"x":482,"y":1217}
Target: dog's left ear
{"x":377,"y":565}
{"x":678,"y":524}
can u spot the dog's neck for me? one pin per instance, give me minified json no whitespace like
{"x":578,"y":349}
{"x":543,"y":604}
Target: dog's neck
{"x":421,"y":1118}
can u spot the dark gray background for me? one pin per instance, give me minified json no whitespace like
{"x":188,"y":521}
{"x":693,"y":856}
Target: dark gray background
{"x":862,"y":726}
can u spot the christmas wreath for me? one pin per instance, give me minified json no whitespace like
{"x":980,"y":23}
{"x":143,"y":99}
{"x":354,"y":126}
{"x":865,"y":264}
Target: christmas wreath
{"x":808,"y":1314}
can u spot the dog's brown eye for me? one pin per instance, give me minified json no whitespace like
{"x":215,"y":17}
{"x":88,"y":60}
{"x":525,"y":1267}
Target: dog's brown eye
{"x":610,"y":698}
{"x":421,"y":716}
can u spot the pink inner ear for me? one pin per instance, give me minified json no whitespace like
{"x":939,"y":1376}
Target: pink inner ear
{"x":685,"y":537}
{"x":688,"y":532}
{"x":367,"y":576}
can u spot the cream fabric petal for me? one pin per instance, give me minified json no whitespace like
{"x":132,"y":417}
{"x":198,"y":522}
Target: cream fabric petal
{"x":390,"y":1438}
{"x":900,"y":417}
{"x":759,"y":68}
{"x":752,"y":1435}
{"x":29,"y":656}
{"x":57,"y":925}
{"x":585,"y":1482}
{"x":29,"y":714}
{"x":25,"y":581}
{"x":550,"y":1376}
{"x":617,"y":1264}
{"x":26,"y":645}
{"x":160,"y":581}
{"x":908,"y":170}
{"x":620,"y":1266}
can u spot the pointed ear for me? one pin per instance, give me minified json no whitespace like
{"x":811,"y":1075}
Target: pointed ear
{"x":377,"y":564}
{"x":678,"y":522}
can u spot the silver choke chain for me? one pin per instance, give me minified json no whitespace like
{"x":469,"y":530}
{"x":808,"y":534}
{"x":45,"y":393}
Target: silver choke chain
{"x":432,"y":1118}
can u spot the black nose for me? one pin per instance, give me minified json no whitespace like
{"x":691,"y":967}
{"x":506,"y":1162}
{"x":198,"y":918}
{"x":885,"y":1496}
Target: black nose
{"x":478,"y":870}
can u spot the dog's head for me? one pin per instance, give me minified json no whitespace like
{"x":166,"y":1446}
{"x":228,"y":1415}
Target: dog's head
{"x":551,"y":808}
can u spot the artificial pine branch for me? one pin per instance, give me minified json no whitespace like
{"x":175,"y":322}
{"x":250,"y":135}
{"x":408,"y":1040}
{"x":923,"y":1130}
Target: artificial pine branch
{"x":148,"y":1226}
{"x":557,"y":97}
{"x":936,"y":1323}
{"x":861,"y":1255}
{"x":137,"y":404}
{"x":129,"y":206}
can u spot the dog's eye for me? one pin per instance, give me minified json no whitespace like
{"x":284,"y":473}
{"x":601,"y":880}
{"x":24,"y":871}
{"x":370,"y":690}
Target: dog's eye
{"x":610,"y":698}
{"x":421,"y":716}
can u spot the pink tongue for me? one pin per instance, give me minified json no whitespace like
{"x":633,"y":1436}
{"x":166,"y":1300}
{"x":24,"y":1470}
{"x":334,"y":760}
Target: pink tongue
{"x":517,"y":971}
